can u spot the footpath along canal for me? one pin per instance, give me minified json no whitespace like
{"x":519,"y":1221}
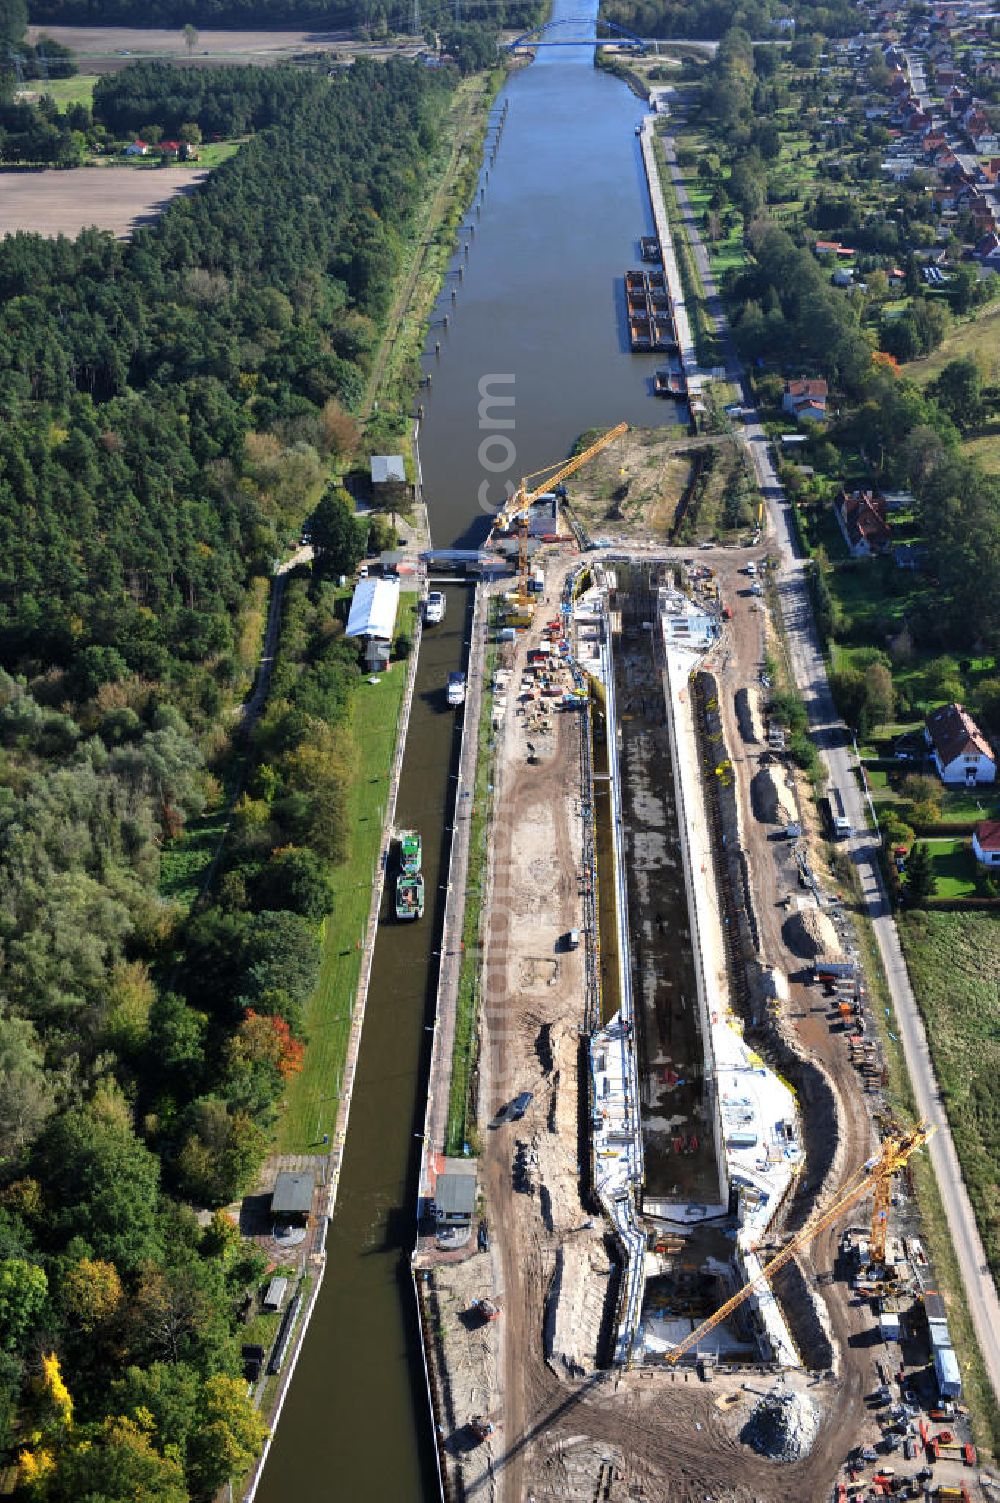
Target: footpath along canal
{"x":538,"y":317}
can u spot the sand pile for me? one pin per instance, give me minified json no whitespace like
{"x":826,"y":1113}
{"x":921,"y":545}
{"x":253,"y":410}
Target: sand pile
{"x":782,"y":1426}
{"x":810,"y":933}
{"x":576,"y":1306}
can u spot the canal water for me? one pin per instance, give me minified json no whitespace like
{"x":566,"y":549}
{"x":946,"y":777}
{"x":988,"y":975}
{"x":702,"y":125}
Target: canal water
{"x":540,"y":306}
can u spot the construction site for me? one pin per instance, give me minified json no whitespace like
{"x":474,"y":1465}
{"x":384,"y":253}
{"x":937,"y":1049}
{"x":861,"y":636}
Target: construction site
{"x":694,"y":1269}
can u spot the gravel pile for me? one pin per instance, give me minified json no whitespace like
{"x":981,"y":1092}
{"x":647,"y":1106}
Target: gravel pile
{"x":782,"y":1426}
{"x":772,"y":799}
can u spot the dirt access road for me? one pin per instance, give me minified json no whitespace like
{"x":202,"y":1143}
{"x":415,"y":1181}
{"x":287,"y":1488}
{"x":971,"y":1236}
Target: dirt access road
{"x":831,"y":737}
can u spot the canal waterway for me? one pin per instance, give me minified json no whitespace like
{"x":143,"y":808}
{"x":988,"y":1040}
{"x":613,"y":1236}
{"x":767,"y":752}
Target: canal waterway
{"x":541,"y":299}
{"x":541,"y":302}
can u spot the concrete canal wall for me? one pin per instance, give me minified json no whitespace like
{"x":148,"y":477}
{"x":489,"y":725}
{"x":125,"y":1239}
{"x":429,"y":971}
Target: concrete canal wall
{"x":682,"y":325}
{"x":336,"y":1158}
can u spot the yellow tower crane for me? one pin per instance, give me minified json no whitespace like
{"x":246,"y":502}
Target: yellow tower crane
{"x":876,"y":1174}
{"x":519,"y":506}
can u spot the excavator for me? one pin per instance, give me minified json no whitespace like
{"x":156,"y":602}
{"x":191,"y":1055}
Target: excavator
{"x":518,"y":509}
{"x":875,"y":1175}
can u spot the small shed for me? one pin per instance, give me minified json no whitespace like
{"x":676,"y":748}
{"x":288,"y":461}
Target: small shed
{"x":455,"y":1195}
{"x":292,"y":1197}
{"x":396,"y":561}
{"x":889,"y":1324}
{"x":274,"y":1294}
{"x":373,"y":618}
{"x":388,"y":469}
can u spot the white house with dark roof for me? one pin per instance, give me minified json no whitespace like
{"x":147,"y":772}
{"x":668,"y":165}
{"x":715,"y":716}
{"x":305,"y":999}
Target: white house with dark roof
{"x":986,"y":843}
{"x":960,"y":751}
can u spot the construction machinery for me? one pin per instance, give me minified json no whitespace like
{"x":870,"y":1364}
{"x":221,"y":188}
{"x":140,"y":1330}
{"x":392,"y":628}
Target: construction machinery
{"x":518,"y":508}
{"x":876,"y":1174}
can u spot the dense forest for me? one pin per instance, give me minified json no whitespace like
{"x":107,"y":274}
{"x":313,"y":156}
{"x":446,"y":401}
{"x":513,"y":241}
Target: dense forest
{"x":376,"y":16}
{"x":713,"y":18}
{"x":226,"y":102}
{"x":169,"y":409}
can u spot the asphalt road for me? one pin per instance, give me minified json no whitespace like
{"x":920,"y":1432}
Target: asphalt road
{"x":833,"y":741}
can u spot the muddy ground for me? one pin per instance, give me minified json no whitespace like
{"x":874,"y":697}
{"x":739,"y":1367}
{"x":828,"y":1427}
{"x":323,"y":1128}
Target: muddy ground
{"x":638,"y":488}
{"x":566,"y":1429}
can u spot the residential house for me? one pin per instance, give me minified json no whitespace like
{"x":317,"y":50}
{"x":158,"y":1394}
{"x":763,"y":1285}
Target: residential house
{"x":983,"y":213}
{"x":806,"y":399}
{"x":960,"y":751}
{"x":986,"y":842}
{"x":987,"y":251}
{"x":861,"y":516}
{"x":137,"y":149}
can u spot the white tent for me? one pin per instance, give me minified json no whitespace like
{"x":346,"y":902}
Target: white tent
{"x":373,"y":609}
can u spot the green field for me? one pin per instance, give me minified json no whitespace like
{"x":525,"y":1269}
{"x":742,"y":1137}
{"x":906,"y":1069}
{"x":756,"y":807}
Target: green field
{"x":311,"y":1099}
{"x":215,"y":153}
{"x":980,"y":337}
{"x":954,"y":964}
{"x":184,"y":862}
{"x":67,"y":91}
{"x":986,"y":448}
{"x":954,"y":866}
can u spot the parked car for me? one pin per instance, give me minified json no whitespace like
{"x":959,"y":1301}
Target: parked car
{"x":514,"y":1110}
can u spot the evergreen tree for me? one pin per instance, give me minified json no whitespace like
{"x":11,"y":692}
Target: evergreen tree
{"x":921,"y":882}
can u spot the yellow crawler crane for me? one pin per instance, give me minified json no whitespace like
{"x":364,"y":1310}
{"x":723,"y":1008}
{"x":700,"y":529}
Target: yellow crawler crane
{"x":521,"y":502}
{"x":875,"y":1175}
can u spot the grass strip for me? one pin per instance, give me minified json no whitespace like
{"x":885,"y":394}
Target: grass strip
{"x":312,"y":1098}
{"x":706,"y":340}
{"x":460,"y":1130}
{"x":430,"y":243}
{"x":984,"y":1413}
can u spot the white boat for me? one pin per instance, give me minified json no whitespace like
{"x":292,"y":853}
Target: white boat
{"x":456,"y":688}
{"x":434,"y":608}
